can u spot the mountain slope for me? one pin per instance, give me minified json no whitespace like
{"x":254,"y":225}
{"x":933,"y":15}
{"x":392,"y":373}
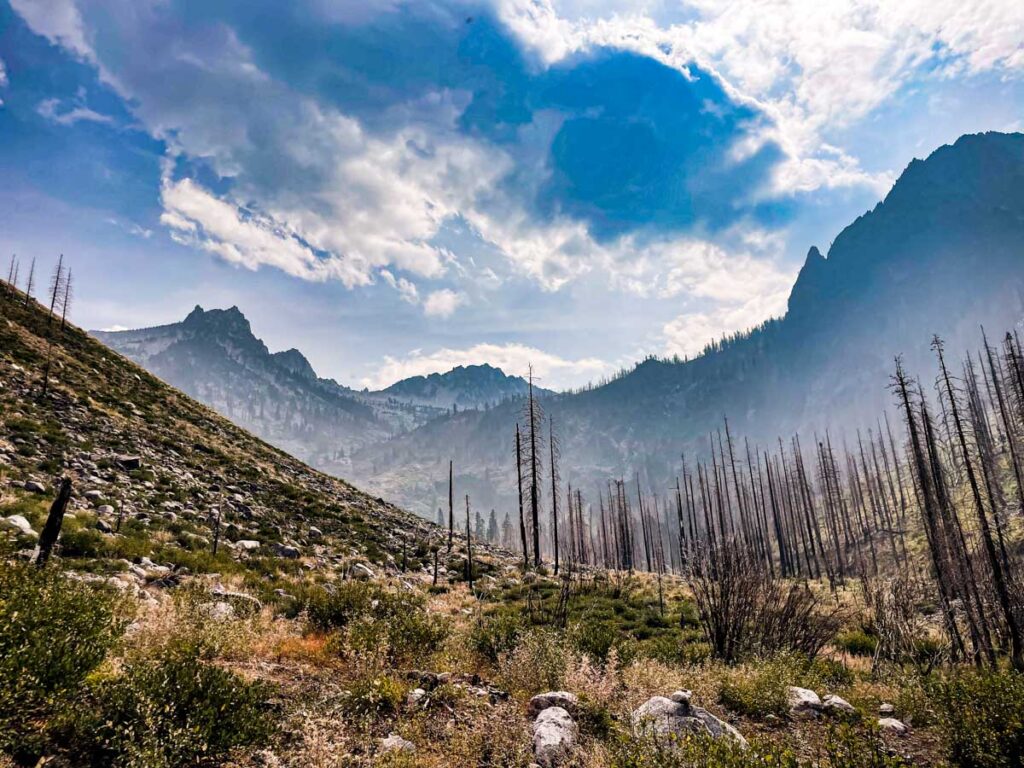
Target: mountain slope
{"x":186,"y":463}
{"x":471,"y":386}
{"x":943,"y":253}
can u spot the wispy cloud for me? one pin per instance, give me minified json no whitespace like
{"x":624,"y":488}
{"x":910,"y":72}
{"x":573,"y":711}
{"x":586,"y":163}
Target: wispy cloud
{"x":63,"y":114}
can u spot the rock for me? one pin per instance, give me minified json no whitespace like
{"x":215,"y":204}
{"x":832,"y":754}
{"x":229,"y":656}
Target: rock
{"x":287,"y":551}
{"x":415,"y":696}
{"x":567,"y":701}
{"x":129,"y":462}
{"x":18,"y":523}
{"x":682,"y":697}
{"x":243,"y":604}
{"x":554,"y":737}
{"x":886,"y":710}
{"x":395,"y":743}
{"x":837,"y":706}
{"x":893,"y":726}
{"x":93,"y":495}
{"x":34,"y":487}
{"x":220,"y":611}
{"x":361,"y":572}
{"x":104,"y":527}
{"x":665,"y":717}
{"x":803,"y":701}
{"x":105,"y":509}
{"x":247,"y":545}
{"x":314,"y":532}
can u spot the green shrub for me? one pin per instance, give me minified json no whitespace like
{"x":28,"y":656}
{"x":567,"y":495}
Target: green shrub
{"x":696,"y":752}
{"x":757,"y":690}
{"x":982,"y":714}
{"x":849,"y":746}
{"x":857,"y":642}
{"x":375,"y":695}
{"x":171,"y":711}
{"x":53,"y":633}
{"x":493,"y":635}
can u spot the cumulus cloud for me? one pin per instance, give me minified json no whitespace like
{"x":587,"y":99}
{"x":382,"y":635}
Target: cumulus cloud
{"x":550,"y":371}
{"x":689,"y":333}
{"x":442,"y":303}
{"x":57,"y":20}
{"x":3,"y":74}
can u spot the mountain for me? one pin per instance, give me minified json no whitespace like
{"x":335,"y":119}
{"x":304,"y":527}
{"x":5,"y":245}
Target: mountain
{"x":471,"y":386}
{"x":214,"y":356}
{"x":942,"y":253}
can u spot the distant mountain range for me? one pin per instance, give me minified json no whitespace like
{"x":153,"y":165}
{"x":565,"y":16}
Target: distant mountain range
{"x":943,"y":253}
{"x":214,"y":356}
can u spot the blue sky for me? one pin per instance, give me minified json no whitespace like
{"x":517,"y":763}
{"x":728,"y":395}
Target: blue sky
{"x":397,"y":188}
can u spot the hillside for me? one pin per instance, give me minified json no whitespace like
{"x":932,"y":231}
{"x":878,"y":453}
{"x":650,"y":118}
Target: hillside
{"x":146,"y":454}
{"x":943,"y":253}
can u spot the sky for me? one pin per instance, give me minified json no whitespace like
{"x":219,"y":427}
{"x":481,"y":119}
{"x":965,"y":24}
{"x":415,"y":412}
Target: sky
{"x":397,"y":188}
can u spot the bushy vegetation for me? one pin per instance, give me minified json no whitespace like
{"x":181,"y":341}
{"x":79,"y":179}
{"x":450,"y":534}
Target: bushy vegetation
{"x":54,"y":632}
{"x":982,"y":717}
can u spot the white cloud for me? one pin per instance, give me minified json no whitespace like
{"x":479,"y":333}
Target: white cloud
{"x":550,"y":371}
{"x":442,"y":303}
{"x":689,"y":333}
{"x":57,"y":20}
{"x":3,"y":74}
{"x":53,"y":110}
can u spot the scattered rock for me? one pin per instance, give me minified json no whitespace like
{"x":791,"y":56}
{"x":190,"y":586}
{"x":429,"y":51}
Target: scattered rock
{"x":837,"y":706}
{"x":803,"y":701}
{"x":18,"y":523}
{"x":415,"y":696}
{"x":287,"y":551}
{"x":247,"y":545}
{"x":567,"y":701}
{"x":395,"y":743}
{"x":886,"y":710}
{"x":361,"y":572}
{"x":893,"y":726}
{"x":220,"y":611}
{"x":93,"y":495}
{"x":34,"y":487}
{"x":314,"y":532}
{"x":105,"y":509}
{"x":129,"y":462}
{"x":665,"y":717}
{"x":104,"y":527}
{"x":554,"y":737}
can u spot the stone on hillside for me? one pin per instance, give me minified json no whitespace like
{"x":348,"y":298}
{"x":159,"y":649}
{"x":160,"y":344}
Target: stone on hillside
{"x":19,"y":524}
{"x":893,"y":726}
{"x":803,"y":701}
{"x":395,"y":743}
{"x":104,"y":527}
{"x":664,"y":717}
{"x":33,"y":486}
{"x":361,"y":572}
{"x":129,"y":462}
{"x":287,"y":551}
{"x":554,"y":737}
{"x":247,"y":545}
{"x":886,"y":710}
{"x":105,"y":509}
{"x":314,"y":532}
{"x":93,"y":495}
{"x":415,"y":696}
{"x":220,"y":611}
{"x":567,"y":701}
{"x":837,"y":705}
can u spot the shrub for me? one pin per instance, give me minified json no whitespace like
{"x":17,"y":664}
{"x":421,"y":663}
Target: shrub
{"x":983,"y":717}
{"x":496,"y":634}
{"x":168,"y":712}
{"x":857,"y":642}
{"x":696,"y":752}
{"x":375,"y":695}
{"x":757,"y":690}
{"x":53,"y":633}
{"x":849,"y":746}
{"x":537,"y":663}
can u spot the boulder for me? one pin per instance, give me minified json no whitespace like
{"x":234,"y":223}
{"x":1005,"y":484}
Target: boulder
{"x":554,"y":737}
{"x":286,"y":551}
{"x":395,"y":743}
{"x":893,"y":726}
{"x":34,"y":487}
{"x":93,"y":495}
{"x":104,"y":509}
{"x":803,"y":701}
{"x":361,"y":572}
{"x":314,"y":532}
{"x":129,"y":462}
{"x":668,"y":718}
{"x":19,"y":524}
{"x":567,"y":701}
{"x":247,"y":545}
{"x":837,"y":706}
{"x":104,"y":527}
{"x":415,"y":696}
{"x":220,"y":611}
{"x":886,"y":710}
